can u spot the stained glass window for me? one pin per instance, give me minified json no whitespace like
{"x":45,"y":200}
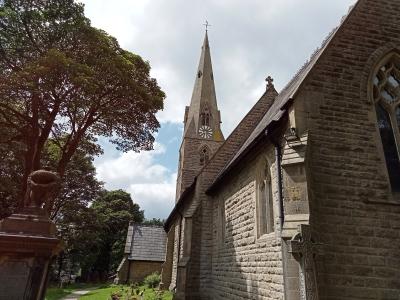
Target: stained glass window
{"x":386,"y":93}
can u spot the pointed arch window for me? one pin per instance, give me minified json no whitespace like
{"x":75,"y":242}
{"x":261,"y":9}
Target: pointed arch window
{"x":264,"y":208}
{"x":204,"y":155}
{"x":205,"y":117}
{"x":386,"y":96}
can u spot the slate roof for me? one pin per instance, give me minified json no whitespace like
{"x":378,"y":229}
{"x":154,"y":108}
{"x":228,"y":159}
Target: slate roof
{"x":147,"y":243}
{"x":278,"y":108}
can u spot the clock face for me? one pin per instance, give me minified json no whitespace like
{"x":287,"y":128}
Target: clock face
{"x":205,"y":132}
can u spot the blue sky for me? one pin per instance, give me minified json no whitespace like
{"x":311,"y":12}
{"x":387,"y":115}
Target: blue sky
{"x":249,"y":40}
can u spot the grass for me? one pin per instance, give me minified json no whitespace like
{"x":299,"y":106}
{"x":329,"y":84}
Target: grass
{"x":55,"y":293}
{"x":103,"y":292}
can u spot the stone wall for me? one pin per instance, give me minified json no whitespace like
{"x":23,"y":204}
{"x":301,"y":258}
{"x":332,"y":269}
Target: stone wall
{"x":244,"y":266}
{"x":177,"y":230}
{"x":353,"y":211}
{"x":140,"y":269}
{"x":166,"y":274}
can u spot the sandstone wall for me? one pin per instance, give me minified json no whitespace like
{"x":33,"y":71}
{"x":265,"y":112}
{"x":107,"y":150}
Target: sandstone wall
{"x":244,"y":266}
{"x":353,"y":211}
{"x":140,"y":269}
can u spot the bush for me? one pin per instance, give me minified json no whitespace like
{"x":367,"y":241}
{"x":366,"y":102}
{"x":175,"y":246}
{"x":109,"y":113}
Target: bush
{"x":153,"y":280}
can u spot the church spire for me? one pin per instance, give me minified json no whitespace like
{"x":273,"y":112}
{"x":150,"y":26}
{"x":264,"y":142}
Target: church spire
{"x":203,"y":110}
{"x":202,"y":132}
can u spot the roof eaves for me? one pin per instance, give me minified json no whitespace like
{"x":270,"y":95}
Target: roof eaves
{"x":179,"y":204}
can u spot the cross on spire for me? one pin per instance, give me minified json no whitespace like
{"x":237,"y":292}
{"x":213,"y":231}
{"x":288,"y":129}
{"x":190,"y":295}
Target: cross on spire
{"x":206,"y":24}
{"x":269,"y":81}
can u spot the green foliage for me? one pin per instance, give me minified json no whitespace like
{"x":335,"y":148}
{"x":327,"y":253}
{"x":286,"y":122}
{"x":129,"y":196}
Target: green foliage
{"x":114,"y":210}
{"x":123,"y":292}
{"x":153,"y":280}
{"x":154,"y":221}
{"x":65,"y":81}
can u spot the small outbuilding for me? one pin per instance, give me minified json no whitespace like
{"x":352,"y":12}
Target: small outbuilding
{"x":145,"y":249}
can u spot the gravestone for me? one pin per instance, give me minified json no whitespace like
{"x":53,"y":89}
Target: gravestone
{"x":304,"y":249}
{"x":28,"y":242}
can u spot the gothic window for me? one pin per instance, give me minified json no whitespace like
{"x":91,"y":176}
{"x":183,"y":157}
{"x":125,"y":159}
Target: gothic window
{"x":265,"y":210}
{"x":386,"y":94}
{"x":205,"y":117}
{"x":204,"y":155}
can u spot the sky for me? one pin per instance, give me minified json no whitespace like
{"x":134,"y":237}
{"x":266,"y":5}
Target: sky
{"x":249,"y":40}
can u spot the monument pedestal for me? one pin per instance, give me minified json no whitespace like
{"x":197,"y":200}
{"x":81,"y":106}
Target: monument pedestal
{"x":28,"y":242}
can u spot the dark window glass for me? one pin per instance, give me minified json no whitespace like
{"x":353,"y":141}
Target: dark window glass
{"x":205,"y":119}
{"x":204,"y":156}
{"x":389,"y":146}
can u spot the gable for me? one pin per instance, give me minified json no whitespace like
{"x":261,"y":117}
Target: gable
{"x":282,"y":101}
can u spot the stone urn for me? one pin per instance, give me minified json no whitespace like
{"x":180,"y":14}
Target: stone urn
{"x":28,"y":241}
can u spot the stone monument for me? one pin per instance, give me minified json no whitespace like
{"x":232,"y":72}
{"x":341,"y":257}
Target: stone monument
{"x":28,"y":241}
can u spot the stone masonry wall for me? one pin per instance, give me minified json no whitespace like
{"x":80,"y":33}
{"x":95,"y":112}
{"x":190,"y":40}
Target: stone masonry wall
{"x":210,"y":172}
{"x":140,"y":269}
{"x":353,"y":212}
{"x":175,"y":255}
{"x":244,"y":266}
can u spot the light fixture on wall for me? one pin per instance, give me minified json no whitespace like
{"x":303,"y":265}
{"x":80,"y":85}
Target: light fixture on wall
{"x":291,"y":135}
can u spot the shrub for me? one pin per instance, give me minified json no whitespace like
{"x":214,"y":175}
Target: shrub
{"x":153,"y":280}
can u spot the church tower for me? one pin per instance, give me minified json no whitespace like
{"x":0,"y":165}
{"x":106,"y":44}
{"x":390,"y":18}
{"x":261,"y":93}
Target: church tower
{"x":202,"y":133}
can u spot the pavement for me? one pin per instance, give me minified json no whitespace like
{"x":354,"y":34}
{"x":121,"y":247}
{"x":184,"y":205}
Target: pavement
{"x":76,"y":294}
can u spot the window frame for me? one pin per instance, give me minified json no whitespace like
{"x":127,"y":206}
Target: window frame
{"x":390,"y":109}
{"x":265,"y":214}
{"x":204,"y":155}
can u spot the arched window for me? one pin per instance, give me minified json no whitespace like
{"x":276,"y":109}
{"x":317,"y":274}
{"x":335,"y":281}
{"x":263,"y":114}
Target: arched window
{"x":204,"y":155}
{"x":386,"y":96}
{"x":205,"y":117}
{"x":265,"y":207}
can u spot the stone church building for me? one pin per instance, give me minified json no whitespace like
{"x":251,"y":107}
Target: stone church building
{"x":302,"y":200}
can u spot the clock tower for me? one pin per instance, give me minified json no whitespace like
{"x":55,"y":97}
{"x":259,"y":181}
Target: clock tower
{"x":202,"y":134}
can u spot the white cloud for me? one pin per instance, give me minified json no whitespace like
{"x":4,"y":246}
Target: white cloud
{"x":157,"y":198}
{"x":151,"y":185}
{"x":249,"y":40}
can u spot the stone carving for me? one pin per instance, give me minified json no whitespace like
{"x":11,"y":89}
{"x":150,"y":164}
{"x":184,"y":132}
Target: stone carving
{"x":42,"y":186}
{"x":304,"y":249}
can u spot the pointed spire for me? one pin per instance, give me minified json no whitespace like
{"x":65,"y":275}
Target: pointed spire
{"x":204,"y":96}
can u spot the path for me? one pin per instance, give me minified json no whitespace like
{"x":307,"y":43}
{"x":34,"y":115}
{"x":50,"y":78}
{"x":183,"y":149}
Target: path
{"x":76,"y":294}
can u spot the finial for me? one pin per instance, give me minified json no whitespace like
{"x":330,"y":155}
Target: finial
{"x":269,"y":81}
{"x":206,"y":24}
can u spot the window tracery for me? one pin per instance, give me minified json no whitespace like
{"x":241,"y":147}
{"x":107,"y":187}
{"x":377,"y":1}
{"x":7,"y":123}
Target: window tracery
{"x":205,"y":117}
{"x":204,"y":155}
{"x":386,"y":96}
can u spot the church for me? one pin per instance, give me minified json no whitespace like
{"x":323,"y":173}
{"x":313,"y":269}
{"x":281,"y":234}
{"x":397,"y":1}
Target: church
{"x":302,"y":199}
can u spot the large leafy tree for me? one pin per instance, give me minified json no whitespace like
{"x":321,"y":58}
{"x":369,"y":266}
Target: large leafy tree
{"x":63,"y":80}
{"x":114,"y":210}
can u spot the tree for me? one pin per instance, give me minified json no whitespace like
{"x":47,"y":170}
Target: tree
{"x":154,"y":221}
{"x":114,"y":210}
{"x":63,"y":80}
{"x":78,"y":188}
